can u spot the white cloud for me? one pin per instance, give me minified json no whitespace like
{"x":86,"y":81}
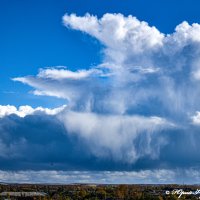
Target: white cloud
{"x":196,"y":118}
{"x":159,"y":176}
{"x":60,"y":74}
{"x":7,"y":110}
{"x":144,"y":73}
{"x":185,"y":34}
{"x":117,"y":32}
{"x":140,"y":62}
{"x":129,"y":41}
{"x":23,"y":111}
{"x":114,"y":135}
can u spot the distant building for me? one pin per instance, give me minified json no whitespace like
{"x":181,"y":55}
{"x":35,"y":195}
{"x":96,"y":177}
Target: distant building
{"x":21,"y":195}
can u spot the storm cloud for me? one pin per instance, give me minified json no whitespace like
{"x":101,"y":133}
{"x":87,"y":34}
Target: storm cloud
{"x":137,"y":110}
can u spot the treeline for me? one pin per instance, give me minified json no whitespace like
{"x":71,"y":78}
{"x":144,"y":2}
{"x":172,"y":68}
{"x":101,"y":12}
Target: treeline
{"x":102,"y":192}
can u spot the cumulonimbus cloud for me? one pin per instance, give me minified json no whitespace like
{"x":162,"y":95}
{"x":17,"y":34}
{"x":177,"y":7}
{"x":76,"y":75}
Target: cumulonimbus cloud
{"x":147,"y":83}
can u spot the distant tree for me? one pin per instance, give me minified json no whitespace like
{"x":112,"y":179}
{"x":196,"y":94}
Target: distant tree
{"x":122,"y":191}
{"x":101,"y":193}
{"x":82,"y":194}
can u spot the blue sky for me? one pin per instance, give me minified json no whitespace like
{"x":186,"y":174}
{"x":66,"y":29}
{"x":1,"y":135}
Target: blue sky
{"x":100,"y":86}
{"x":32,"y":36}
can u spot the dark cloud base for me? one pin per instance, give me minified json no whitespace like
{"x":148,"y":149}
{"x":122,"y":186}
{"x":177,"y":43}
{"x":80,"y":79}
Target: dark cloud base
{"x":40,"y":142}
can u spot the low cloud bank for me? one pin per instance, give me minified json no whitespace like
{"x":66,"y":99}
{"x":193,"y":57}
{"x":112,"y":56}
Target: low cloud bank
{"x":103,"y":177}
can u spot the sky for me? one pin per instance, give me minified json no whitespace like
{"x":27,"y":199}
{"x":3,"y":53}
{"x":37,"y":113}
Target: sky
{"x":99,"y":91}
